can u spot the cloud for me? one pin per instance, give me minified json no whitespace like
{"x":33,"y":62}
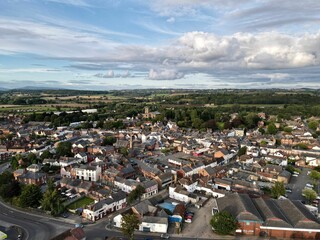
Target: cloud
{"x":77,"y":3}
{"x":111,"y":74}
{"x":171,"y":20}
{"x":28,"y":70}
{"x":164,"y":74}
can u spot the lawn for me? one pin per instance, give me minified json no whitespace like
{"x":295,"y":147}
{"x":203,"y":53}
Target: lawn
{"x":81,"y":203}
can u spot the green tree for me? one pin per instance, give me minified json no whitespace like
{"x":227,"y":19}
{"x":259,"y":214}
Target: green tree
{"x":10,"y":190}
{"x":124,"y":151}
{"x":272,"y":129}
{"x":129,"y":224}
{"x":46,"y":154}
{"x":278,"y":190}
{"x":242,"y":151}
{"x":314,"y":175}
{"x":224,"y":223}
{"x":309,"y":194}
{"x":64,"y":149}
{"x":52,"y":202}
{"x":313,"y":125}
{"x":287,"y":129}
{"x":136,"y":193}
{"x":109,"y":140}
{"x":6,"y":177}
{"x":31,"y":196}
{"x":32,"y":158}
{"x":14,"y":163}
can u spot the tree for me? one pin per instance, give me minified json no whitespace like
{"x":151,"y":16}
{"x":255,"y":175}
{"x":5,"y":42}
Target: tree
{"x":31,"y":196}
{"x":278,"y":190}
{"x":314,"y":175}
{"x":64,"y":149}
{"x":46,"y":154}
{"x":10,"y":190}
{"x":242,"y":151}
{"x":6,"y":177}
{"x":129,"y":224}
{"x":224,"y":223}
{"x":272,"y":129}
{"x":52,"y":202}
{"x":109,"y":140}
{"x":313,"y":125}
{"x":309,"y":194}
{"x":136,"y":193}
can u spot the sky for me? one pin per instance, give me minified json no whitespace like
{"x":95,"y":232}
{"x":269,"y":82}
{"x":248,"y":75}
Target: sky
{"x":139,"y":44}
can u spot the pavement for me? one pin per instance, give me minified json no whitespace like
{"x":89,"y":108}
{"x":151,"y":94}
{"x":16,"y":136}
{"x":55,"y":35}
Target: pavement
{"x":33,"y":226}
{"x":298,"y":184}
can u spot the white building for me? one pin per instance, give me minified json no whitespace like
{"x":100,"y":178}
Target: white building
{"x":88,"y":173}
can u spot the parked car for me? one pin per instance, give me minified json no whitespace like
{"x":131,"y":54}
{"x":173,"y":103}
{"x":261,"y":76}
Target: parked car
{"x":308,"y":185}
{"x":188,"y":220}
{"x":164,"y":236}
{"x":78,"y":225}
{"x":295,"y":175}
{"x":65,"y":215}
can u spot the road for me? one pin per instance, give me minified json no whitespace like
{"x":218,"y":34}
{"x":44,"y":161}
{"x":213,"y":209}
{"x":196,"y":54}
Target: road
{"x":34,"y":226}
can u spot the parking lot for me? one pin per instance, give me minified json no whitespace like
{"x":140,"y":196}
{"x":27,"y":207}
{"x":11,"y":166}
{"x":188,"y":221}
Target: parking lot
{"x":200,"y":226}
{"x":298,"y":184}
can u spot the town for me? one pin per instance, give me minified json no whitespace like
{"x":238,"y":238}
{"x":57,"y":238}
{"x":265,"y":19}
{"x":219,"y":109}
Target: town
{"x":162,"y":179}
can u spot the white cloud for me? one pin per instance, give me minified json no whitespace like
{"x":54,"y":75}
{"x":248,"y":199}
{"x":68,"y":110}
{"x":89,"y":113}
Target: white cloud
{"x":171,"y":20}
{"x":164,"y":74}
{"x":78,"y":3}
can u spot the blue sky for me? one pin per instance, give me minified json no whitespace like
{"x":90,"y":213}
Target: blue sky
{"x":130,"y":44}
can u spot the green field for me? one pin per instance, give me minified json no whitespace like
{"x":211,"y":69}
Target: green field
{"x":81,"y":203}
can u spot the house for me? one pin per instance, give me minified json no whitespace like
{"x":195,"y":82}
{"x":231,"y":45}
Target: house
{"x":78,"y":185}
{"x":126,"y":185}
{"x":154,"y":224}
{"x":279,"y":218}
{"x":30,"y":177}
{"x":150,"y":188}
{"x":87,"y":173}
{"x":284,"y":177}
{"x":164,"y":180}
{"x":114,"y":202}
{"x":180,"y":194}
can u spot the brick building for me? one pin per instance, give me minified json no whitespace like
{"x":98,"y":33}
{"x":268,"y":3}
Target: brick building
{"x":281,"y":218}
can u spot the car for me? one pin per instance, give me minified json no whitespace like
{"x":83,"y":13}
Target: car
{"x":19,"y":237}
{"x":80,"y":225}
{"x":308,"y":173}
{"x":295,"y":172}
{"x":288,"y":190}
{"x":308,"y":185}
{"x":65,"y":215}
{"x":295,"y":175}
{"x":188,"y":220}
{"x":164,"y":236}
{"x":190,"y":213}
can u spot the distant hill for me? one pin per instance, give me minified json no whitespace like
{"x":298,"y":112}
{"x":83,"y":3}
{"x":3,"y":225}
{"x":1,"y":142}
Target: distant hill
{"x":3,"y":89}
{"x":37,"y":88}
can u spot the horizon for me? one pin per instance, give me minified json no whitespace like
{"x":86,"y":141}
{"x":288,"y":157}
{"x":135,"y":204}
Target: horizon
{"x":187,"y":44}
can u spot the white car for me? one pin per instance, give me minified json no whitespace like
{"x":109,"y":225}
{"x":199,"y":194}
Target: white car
{"x":164,"y":236}
{"x":308,"y":185}
{"x":295,"y":175}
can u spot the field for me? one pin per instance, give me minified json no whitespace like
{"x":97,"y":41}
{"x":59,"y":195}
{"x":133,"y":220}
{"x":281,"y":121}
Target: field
{"x":81,"y":203}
